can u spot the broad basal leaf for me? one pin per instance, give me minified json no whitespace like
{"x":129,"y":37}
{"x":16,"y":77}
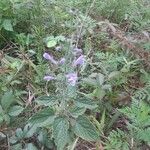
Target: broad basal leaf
{"x":43,"y":117}
{"x":46,"y":100}
{"x":15,"y":110}
{"x":85,"y":103}
{"x":60,"y":132}
{"x":85,"y":129}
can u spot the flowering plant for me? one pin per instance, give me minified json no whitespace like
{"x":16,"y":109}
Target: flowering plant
{"x":64,"y":111}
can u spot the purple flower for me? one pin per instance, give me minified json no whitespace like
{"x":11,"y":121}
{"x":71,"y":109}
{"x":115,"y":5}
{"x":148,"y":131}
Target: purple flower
{"x":72,"y":78}
{"x":62,"y":61}
{"x":49,"y":57}
{"x":48,"y":78}
{"x":79,"y":61}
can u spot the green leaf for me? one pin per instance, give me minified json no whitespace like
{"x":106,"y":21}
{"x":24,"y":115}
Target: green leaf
{"x":45,"y":140}
{"x":77,"y":111}
{"x":43,"y":117}
{"x":113,"y":75}
{"x":60,"y":38}
{"x":85,"y":103}
{"x":29,"y":130}
{"x":16,"y":146}
{"x":144,"y":134}
{"x":89,"y":81}
{"x":51,"y":43}
{"x":15,"y":110}
{"x":100,"y":79}
{"x":19,"y":133}
{"x":31,"y":146}
{"x":46,"y":100}
{"x":85,"y":129}
{"x":7,"y":25}
{"x":7,"y":100}
{"x":6,"y":118}
{"x":99,"y":93}
{"x":60,"y":132}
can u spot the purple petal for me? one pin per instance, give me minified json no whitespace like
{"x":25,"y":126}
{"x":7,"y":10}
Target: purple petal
{"x":72,"y":78}
{"x":48,"y":78}
{"x":47,"y":56}
{"x":50,"y":58}
{"x":79,"y":61}
{"x":62,"y":61}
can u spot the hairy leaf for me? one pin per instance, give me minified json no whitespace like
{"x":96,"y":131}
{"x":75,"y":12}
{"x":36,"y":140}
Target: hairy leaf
{"x":77,"y":111}
{"x":85,"y":103}
{"x":43,"y":117}
{"x":85,"y":129}
{"x":60,"y":132}
{"x":46,"y":100}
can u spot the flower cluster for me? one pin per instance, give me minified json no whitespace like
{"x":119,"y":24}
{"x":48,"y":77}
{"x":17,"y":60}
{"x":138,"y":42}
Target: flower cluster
{"x":78,"y":61}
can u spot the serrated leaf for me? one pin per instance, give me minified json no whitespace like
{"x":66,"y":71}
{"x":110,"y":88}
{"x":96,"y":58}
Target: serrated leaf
{"x":43,"y":117}
{"x":7,"y":25}
{"x":46,"y":100}
{"x":77,"y":111}
{"x":7,"y":100}
{"x":51,"y":43}
{"x":85,"y":129}
{"x":60,"y":132}
{"x":85,"y":103}
{"x":15,"y":110}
